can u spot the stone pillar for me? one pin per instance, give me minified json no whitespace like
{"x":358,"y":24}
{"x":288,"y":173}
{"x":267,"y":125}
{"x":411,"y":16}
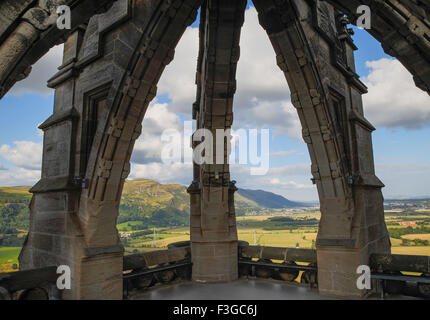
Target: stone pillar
{"x":213,"y":225}
{"x":316,"y":55}
{"x":108,"y":78}
{"x":56,"y":236}
{"x":54,"y":232}
{"x":338,"y":256}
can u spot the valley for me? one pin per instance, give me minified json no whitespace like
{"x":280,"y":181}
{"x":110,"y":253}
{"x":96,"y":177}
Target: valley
{"x":153,"y":215}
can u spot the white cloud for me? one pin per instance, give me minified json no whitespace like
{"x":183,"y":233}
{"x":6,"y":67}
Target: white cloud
{"x":42,"y":71}
{"x":149,"y":145}
{"x":278,"y":115}
{"x":2,"y":168}
{"x":289,"y":184}
{"x":164,"y":173}
{"x":25,"y":154}
{"x":19,"y":177}
{"x":283,"y":153}
{"x":178,"y":80}
{"x":262,"y":98}
{"x":393,"y":99}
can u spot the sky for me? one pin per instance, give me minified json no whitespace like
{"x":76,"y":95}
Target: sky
{"x":399,"y":111}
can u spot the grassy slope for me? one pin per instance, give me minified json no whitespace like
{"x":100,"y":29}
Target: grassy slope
{"x":9,"y":255}
{"x":150,"y":195}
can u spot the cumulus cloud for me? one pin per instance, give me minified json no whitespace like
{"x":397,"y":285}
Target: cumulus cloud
{"x":18,"y":177}
{"x":158,"y":119}
{"x":289,"y":184}
{"x":42,"y":71}
{"x":262,"y":98}
{"x":26,"y":154}
{"x":393,"y":99}
{"x":164,"y":173}
{"x":283,"y":153}
{"x":178,"y":80}
{"x":262,"y":101}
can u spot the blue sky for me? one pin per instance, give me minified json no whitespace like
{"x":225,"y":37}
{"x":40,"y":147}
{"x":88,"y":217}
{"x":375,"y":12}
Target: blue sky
{"x":394,"y":105}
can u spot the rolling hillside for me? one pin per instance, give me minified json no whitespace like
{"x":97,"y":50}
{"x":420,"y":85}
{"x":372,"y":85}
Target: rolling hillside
{"x":144,"y":203}
{"x":14,"y":213}
{"x":154,"y":204}
{"x":268,"y":200}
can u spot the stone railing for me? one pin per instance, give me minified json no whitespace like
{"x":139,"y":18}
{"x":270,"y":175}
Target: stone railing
{"x":401,"y":274}
{"x":286,"y":264}
{"x":393,"y":274}
{"x":142,"y":271}
{"x":37,"y":284}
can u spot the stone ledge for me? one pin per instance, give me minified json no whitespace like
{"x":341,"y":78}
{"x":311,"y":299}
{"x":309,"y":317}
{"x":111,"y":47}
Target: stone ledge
{"x":96,"y":251}
{"x":355,"y":116}
{"x":370,"y":180}
{"x":70,"y":114}
{"x":348,"y":243}
{"x":54,"y":184}
{"x":63,"y":75}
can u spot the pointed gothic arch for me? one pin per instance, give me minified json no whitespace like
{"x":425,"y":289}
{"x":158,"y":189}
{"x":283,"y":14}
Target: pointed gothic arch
{"x":116,"y":61}
{"x":316,"y":55}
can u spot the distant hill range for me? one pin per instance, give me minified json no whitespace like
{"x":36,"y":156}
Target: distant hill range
{"x":147,"y":201}
{"x":269,"y":200}
{"x":420,"y":199}
{"x":170,"y":202}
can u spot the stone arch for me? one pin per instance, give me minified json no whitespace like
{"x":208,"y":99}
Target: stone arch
{"x":403,"y":29}
{"x":28,"y":30}
{"x":315,"y":53}
{"x":109,"y":74}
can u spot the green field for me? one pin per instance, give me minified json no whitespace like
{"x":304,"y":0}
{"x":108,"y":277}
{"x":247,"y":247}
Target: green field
{"x":293,"y":230}
{"x":9,"y":255}
{"x":128,"y":226}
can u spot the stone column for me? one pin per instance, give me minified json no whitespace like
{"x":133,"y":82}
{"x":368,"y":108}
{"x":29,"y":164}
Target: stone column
{"x":54,"y":237}
{"x":317,"y":59}
{"x":213,"y":225}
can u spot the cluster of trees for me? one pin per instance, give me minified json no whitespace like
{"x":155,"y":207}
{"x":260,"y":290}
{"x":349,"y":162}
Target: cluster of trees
{"x":14,"y":217}
{"x":279,"y":223}
{"x":397,"y":233}
{"x":415,"y":242}
{"x":11,"y":240}
{"x":165,"y":217}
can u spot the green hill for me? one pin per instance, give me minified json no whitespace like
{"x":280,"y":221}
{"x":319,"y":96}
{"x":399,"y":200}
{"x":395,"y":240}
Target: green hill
{"x":144,"y":204}
{"x":268,"y":200}
{"x":14,"y":213}
{"x":154,"y":204}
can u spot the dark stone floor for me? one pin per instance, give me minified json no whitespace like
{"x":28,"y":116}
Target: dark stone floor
{"x":238,"y":290}
{"x":243,"y":289}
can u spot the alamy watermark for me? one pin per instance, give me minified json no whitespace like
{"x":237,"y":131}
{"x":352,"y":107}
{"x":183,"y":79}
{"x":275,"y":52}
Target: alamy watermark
{"x":364,"y":20}
{"x":364,"y":281}
{"x":221,"y":146}
{"x":64,"y":20}
{"x":64,"y":280}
